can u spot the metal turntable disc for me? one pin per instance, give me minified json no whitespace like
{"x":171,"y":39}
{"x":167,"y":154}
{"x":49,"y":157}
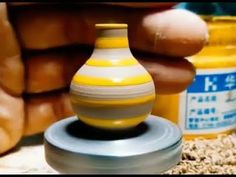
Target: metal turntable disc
{"x":152,"y":147}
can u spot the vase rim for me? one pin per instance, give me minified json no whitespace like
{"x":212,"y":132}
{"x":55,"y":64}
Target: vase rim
{"x":111,"y":25}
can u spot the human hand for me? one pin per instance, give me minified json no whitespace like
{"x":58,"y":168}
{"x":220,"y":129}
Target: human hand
{"x":56,"y":40}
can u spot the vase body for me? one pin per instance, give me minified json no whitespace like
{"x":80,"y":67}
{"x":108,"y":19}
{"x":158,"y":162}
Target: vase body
{"x":112,"y":90}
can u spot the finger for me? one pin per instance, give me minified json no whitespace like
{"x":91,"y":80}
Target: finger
{"x":44,"y":27}
{"x":43,"y":110}
{"x":11,"y":72}
{"x":3,"y":11}
{"x":40,"y":28}
{"x":11,"y":120}
{"x":11,"y":66}
{"x":52,"y":70}
{"x":169,"y":75}
{"x":173,"y":32}
{"x":8,"y":44}
{"x":12,"y":75}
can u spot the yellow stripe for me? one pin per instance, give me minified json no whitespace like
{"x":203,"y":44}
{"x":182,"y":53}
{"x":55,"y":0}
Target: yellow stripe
{"x":117,"y":62}
{"x":91,"y":80}
{"x":114,"y":123}
{"x":112,"y":42}
{"x":122,"y":102}
{"x":111,"y":25}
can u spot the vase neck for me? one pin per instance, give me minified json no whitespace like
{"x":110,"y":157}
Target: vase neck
{"x":111,"y":38}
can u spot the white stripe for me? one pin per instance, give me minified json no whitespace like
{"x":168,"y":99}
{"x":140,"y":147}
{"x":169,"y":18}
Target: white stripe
{"x":112,"y":54}
{"x":118,"y":72}
{"x":114,"y":92}
{"x":114,"y":112}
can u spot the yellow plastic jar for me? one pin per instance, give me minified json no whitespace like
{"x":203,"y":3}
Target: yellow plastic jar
{"x":208,"y":106}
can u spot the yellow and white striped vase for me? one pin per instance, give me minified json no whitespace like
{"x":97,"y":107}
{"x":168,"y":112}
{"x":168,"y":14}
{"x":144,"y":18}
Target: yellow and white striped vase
{"x":112,"y":90}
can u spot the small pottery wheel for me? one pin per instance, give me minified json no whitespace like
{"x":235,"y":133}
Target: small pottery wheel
{"x":150,"y":148}
{"x":113,"y":132}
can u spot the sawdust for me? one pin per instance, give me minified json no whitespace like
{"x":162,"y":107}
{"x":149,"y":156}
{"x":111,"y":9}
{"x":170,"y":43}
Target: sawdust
{"x":202,"y":156}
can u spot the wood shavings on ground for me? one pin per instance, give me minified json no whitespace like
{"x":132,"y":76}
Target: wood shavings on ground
{"x":201,"y":156}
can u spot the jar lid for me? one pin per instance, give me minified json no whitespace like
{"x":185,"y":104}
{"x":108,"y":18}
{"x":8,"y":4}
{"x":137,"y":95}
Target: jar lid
{"x":154,"y":146}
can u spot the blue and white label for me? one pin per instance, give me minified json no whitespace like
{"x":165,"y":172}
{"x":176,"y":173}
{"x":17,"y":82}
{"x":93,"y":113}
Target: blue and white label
{"x":209,"y":103}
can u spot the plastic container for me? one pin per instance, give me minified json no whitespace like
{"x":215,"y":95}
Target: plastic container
{"x":208,"y":106}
